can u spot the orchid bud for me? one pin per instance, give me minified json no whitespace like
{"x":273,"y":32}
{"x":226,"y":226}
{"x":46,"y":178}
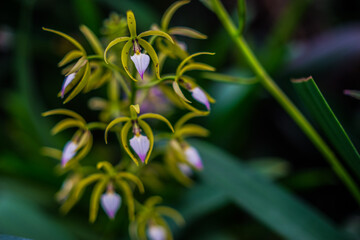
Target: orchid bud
{"x":185,"y":169}
{"x":156,"y":232}
{"x":193,"y":157}
{"x":200,"y":96}
{"x":68,"y":152}
{"x":110,"y":202}
{"x":66,"y":82}
{"x":140,"y":144}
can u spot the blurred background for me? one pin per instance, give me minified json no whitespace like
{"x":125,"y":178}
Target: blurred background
{"x":292,"y":39}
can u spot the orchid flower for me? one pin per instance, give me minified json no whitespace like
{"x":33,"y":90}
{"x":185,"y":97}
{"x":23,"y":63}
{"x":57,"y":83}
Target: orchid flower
{"x":141,"y":144}
{"x":140,"y":60}
{"x":68,"y":152}
{"x":193,"y":156}
{"x":156,"y":232}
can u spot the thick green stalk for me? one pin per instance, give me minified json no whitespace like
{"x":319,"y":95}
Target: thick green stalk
{"x":283,"y":100}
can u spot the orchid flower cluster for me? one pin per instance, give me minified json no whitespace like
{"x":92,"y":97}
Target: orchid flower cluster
{"x":135,"y":93}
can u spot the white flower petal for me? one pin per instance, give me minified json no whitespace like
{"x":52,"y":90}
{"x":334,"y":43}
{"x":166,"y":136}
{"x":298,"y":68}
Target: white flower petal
{"x":111,"y":202}
{"x":156,"y":232}
{"x":141,"y":145}
{"x":66,"y":82}
{"x":200,"y":96}
{"x":185,"y":169}
{"x":141,"y":62}
{"x":68,"y":152}
{"x":193,"y":157}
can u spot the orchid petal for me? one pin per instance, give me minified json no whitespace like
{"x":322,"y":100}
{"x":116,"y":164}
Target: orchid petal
{"x":156,"y":232}
{"x":192,"y":155}
{"x":200,"y":96}
{"x":110,"y":202}
{"x":68,"y":79}
{"x":68,"y":152}
{"x":141,"y":62}
{"x":140,"y":144}
{"x":185,"y":169}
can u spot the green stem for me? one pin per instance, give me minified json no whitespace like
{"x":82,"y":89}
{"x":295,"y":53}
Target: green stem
{"x":283,"y":100}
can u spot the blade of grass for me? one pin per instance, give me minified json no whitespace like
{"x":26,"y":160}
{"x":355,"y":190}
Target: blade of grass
{"x":315,"y":102}
{"x":263,"y":199}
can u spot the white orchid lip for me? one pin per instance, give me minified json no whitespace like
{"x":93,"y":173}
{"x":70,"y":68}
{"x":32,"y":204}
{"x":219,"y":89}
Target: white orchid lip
{"x":141,"y":62}
{"x":156,"y":232}
{"x":199,"y":95}
{"x":185,"y":169}
{"x":140,"y":144}
{"x":66,"y":83}
{"x":68,"y":152}
{"x":193,"y":156}
{"x":110,"y":202}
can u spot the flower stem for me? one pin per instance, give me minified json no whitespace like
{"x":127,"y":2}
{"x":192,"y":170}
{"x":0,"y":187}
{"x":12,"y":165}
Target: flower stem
{"x":283,"y":100}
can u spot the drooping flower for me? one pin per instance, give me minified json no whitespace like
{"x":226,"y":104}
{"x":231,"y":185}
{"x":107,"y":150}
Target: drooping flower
{"x":68,"y":79}
{"x":185,"y":169}
{"x":141,"y":145}
{"x":193,"y":157}
{"x":110,"y":202}
{"x":68,"y":152}
{"x":200,"y":96}
{"x":140,"y":60}
{"x":156,"y":232}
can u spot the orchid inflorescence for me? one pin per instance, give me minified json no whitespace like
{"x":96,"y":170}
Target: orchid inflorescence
{"x":131,"y":100}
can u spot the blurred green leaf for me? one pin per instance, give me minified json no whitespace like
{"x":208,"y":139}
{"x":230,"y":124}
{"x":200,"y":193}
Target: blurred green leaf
{"x":20,"y":217}
{"x":315,"y":102}
{"x":269,"y":203}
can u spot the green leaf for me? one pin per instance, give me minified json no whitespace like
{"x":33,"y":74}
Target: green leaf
{"x":95,"y":198}
{"x":125,"y":57}
{"x":229,"y":79}
{"x":70,"y":56}
{"x":150,"y":50}
{"x":81,"y":84}
{"x":114,"y":42}
{"x":67,"y":37}
{"x":269,"y":203}
{"x":62,"y":111}
{"x":150,"y":135}
{"x":156,"y":33}
{"x":124,"y":140}
{"x":131,"y":23}
{"x":113,"y":123}
{"x":325,"y":117}
{"x":93,"y":40}
{"x":165,"y":20}
{"x":157,"y":116}
{"x":187,"y":32}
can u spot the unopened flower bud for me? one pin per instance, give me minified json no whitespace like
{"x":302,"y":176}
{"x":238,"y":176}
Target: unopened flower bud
{"x":68,"y":152}
{"x":68,"y":79}
{"x":193,"y":157}
{"x":200,"y":96}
